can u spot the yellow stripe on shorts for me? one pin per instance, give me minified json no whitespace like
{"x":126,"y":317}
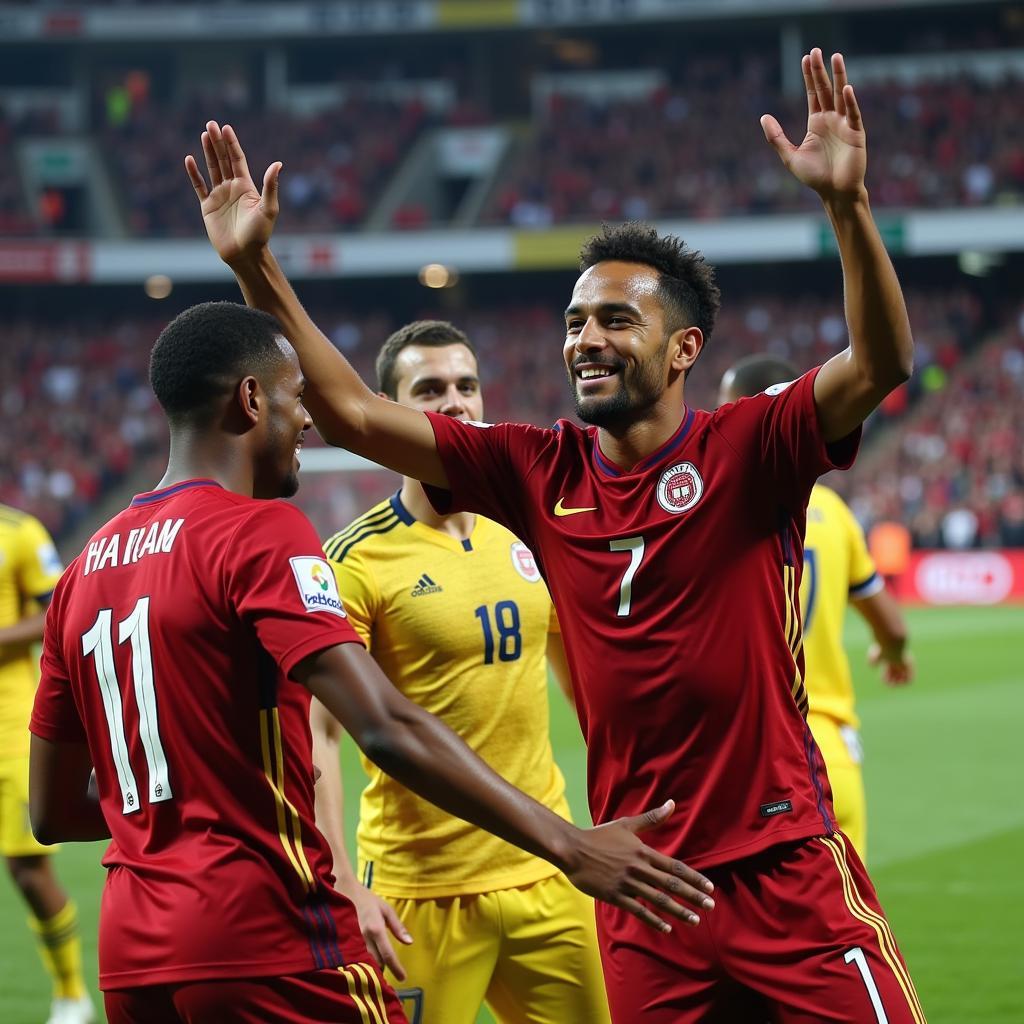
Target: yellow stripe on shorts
{"x":862,"y":912}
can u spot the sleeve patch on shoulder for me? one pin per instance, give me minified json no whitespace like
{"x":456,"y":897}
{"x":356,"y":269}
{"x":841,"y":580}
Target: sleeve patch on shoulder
{"x":477,"y":423}
{"x":317,"y":586}
{"x":777,"y":389}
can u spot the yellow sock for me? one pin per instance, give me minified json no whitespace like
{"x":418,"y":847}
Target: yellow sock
{"x":61,"y":951}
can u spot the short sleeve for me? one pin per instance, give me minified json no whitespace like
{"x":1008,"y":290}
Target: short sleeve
{"x":779,"y":428}
{"x":864,"y":578}
{"x":281,"y":584}
{"x":55,"y":715}
{"x":360,"y":594}
{"x":39,"y":565}
{"x":486,"y":467}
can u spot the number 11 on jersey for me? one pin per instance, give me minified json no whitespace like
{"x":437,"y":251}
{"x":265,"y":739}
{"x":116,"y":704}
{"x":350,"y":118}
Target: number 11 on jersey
{"x":635,"y":547}
{"x":98,"y":642}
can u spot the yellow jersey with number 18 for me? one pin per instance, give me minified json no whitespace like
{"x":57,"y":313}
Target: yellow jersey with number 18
{"x":29,"y":570}
{"x":837,"y":568}
{"x":461,"y":628}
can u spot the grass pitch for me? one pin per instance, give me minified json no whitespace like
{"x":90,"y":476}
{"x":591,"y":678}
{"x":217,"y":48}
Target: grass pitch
{"x":944,"y":772}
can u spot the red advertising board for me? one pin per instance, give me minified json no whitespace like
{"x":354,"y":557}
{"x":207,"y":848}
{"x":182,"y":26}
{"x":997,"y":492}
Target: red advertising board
{"x":42,"y":262}
{"x":963,"y":577}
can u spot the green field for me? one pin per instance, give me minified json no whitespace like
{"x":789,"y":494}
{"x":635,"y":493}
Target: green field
{"x":945,"y":776}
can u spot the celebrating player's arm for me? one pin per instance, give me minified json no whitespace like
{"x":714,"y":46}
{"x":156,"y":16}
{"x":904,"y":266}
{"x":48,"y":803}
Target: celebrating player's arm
{"x":239,"y":221}
{"x":832,"y":160}
{"x":889,"y":649}
{"x":376,"y":916}
{"x":608,"y":862}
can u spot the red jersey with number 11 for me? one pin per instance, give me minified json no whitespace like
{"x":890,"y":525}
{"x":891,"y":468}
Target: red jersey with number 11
{"x":676,"y":586}
{"x":168,"y":646}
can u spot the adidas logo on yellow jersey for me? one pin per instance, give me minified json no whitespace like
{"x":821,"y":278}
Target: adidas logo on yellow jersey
{"x":425,"y":585}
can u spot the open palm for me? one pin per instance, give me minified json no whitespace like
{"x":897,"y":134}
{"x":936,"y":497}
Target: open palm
{"x":238,"y":218}
{"x":832,"y":158}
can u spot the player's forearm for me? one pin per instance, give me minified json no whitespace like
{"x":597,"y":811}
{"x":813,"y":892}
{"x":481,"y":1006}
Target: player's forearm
{"x":329,"y":797}
{"x":886,"y":621}
{"x":881,"y":343}
{"x":27,"y":631}
{"x":422,"y":753}
{"x":335,"y":393}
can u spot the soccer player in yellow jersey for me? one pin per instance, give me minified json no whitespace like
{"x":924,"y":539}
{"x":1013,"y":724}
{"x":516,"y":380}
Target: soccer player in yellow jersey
{"x":454,"y":610}
{"x":837,"y":570}
{"x":29,"y":570}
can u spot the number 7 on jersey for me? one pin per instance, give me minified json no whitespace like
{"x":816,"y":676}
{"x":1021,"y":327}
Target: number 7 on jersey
{"x":635,"y":547}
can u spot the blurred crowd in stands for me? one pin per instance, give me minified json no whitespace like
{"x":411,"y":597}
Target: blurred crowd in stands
{"x":81,"y":417}
{"x":697,"y":150}
{"x":690,"y":149}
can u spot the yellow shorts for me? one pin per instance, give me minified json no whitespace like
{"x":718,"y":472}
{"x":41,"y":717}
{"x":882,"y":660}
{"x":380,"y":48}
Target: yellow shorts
{"x":16,"y":839}
{"x":530,"y":954}
{"x":841,"y":749}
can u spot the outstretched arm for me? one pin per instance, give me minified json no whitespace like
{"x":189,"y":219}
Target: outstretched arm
{"x":239,"y":221}
{"x":609,"y":862}
{"x":832,"y":160}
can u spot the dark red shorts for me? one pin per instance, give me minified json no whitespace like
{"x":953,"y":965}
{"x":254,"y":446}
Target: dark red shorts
{"x":355,"y":994}
{"x":796,"y":937}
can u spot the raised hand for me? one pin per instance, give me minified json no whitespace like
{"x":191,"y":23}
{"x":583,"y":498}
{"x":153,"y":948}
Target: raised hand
{"x":614,"y":865}
{"x":239,"y":220}
{"x":832,"y":159}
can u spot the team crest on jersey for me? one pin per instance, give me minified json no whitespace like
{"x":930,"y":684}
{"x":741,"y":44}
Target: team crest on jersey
{"x":317,"y":585}
{"x":679,"y":487}
{"x":524,"y":562}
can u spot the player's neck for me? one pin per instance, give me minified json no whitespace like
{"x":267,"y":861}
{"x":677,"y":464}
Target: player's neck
{"x":459,"y":525}
{"x":626,"y":446}
{"x":190,"y":459}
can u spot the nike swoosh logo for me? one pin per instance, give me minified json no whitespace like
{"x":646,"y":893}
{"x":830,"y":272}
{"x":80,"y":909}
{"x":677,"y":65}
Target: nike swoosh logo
{"x":561,"y":510}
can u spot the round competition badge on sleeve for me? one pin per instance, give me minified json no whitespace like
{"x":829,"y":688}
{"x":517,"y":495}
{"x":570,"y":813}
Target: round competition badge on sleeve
{"x":317,"y":585}
{"x":679,"y":487}
{"x":524,"y":562}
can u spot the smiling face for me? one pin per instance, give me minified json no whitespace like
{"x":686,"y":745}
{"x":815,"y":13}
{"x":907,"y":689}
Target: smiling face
{"x":284,"y":421}
{"x":620,"y":353}
{"x":440,"y":379}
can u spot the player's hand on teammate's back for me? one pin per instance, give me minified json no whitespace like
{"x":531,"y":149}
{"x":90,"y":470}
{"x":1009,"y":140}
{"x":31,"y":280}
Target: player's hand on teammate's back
{"x":376,"y":918}
{"x":614,"y":865}
{"x":239,"y":219}
{"x":832,"y":158}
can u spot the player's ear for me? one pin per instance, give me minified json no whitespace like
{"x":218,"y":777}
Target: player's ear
{"x":684,"y":346}
{"x":251,"y":399}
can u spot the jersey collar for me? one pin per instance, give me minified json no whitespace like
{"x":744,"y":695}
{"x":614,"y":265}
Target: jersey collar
{"x":148,"y":497}
{"x":664,"y":451}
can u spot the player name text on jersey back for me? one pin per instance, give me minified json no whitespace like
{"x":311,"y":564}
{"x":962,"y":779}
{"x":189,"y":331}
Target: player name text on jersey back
{"x":107,"y":551}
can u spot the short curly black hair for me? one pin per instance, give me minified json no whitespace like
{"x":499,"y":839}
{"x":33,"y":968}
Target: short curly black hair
{"x":429,"y":333}
{"x":204,"y":351}
{"x":686,"y":280}
{"x":753,"y":374}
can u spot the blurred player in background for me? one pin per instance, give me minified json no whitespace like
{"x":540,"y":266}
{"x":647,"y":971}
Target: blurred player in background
{"x":671,"y":541}
{"x":29,"y":570}
{"x":455,"y":612}
{"x":180,"y":652}
{"x":837,"y":571}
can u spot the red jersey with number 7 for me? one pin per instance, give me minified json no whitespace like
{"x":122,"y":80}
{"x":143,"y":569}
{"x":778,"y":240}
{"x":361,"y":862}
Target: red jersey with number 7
{"x":676,"y":586}
{"x":168,"y":647}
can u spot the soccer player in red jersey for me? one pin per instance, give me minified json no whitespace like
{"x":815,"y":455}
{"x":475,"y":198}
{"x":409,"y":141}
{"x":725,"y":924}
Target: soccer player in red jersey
{"x":670,"y":539}
{"x":180,"y":652}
